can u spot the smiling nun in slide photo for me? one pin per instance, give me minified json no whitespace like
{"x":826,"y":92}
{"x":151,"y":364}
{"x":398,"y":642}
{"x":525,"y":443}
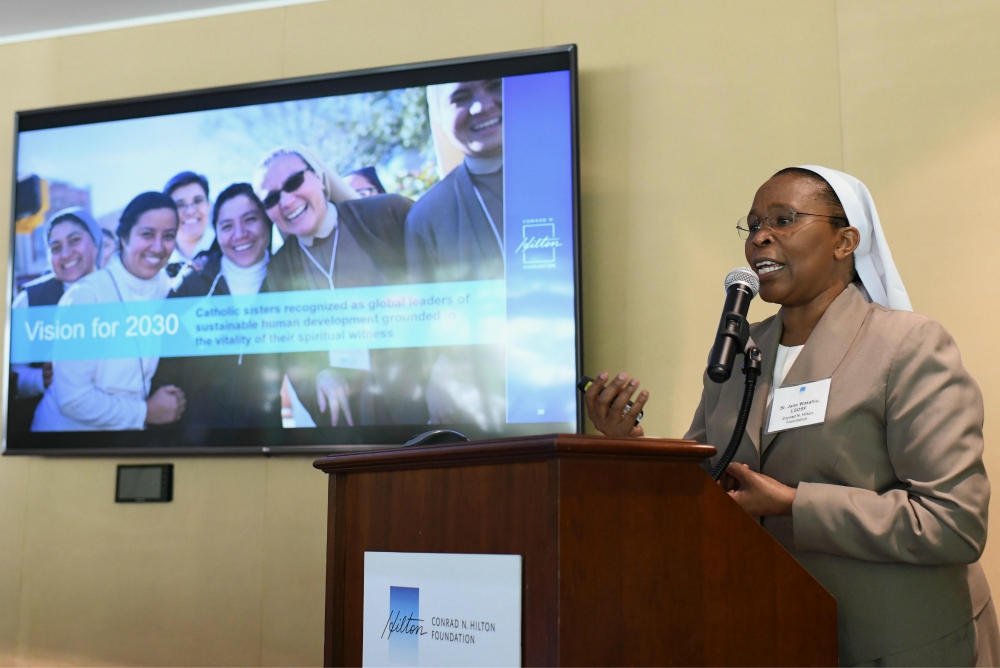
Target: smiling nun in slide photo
{"x":885,"y":500}
{"x":195,"y":237}
{"x":228,"y":391}
{"x":74,"y":239}
{"x":113,"y":394}
{"x":455,"y":232}
{"x":335,"y":239}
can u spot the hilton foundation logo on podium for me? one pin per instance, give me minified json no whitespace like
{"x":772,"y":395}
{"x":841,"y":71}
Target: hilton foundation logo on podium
{"x":538,"y":243}
{"x":404,"y":626}
{"x":456,"y":610}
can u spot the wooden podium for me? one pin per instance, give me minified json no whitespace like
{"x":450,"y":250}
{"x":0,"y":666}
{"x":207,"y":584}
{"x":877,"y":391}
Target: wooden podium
{"x":632,"y":555}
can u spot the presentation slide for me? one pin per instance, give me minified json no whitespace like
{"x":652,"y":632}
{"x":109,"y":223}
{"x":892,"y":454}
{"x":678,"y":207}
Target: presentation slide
{"x":401,"y":257}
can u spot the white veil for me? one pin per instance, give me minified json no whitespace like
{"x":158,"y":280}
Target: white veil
{"x":872,"y":259}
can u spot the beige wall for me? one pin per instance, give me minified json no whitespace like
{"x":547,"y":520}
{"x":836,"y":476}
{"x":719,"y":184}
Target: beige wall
{"x":685,"y":107}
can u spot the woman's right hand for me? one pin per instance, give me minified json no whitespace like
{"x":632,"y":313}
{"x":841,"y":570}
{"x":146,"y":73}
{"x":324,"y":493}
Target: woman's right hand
{"x":606,"y":405}
{"x":166,"y":405}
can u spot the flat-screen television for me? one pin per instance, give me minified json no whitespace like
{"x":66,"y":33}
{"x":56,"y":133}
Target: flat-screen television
{"x":341,"y":260}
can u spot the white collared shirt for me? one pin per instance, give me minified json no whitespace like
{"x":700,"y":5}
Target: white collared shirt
{"x":203,"y":245}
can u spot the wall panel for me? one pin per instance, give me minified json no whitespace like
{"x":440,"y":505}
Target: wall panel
{"x":921,"y":109}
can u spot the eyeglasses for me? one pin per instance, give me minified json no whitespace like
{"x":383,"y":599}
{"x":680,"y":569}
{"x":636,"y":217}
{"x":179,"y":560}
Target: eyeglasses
{"x":778,"y":221}
{"x":194,"y":203}
{"x":291,"y":184}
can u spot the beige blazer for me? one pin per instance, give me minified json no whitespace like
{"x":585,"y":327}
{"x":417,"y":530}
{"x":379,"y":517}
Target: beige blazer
{"x":892,"y":496}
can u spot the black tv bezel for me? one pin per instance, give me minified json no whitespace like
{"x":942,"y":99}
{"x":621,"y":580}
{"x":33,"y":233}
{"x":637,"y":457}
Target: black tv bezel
{"x":282,"y":441}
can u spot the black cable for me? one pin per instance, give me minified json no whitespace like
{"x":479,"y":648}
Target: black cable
{"x":751,"y":369}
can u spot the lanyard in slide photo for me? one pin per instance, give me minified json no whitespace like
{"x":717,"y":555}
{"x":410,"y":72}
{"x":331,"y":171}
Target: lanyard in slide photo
{"x":333,"y":256}
{"x":348,"y":359}
{"x":142,"y":369}
{"x":493,"y":225}
{"x":211,"y":291}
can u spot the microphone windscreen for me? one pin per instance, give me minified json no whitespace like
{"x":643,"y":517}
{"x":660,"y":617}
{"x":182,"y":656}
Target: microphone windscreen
{"x":745,"y":276}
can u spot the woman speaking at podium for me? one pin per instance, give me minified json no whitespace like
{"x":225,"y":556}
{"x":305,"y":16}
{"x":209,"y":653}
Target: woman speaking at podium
{"x":884,"y":501}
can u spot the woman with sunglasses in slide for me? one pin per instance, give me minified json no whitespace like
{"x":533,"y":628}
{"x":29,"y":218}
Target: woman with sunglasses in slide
{"x":335,"y":239}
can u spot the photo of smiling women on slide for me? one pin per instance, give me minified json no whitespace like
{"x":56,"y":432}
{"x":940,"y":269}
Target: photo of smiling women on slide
{"x":114,"y":393}
{"x":427,"y":159}
{"x":229,"y":390}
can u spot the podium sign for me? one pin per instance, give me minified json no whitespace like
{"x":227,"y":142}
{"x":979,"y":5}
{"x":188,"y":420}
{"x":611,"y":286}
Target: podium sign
{"x":430,"y":609}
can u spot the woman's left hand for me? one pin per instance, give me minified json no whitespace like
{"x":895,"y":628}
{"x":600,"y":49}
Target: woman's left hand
{"x":757,"y":493}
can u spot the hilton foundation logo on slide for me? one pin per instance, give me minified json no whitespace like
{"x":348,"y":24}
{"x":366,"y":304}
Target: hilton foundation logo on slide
{"x":538,"y":243}
{"x":404,"y":626}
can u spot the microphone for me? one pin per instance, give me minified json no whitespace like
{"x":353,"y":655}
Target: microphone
{"x":742,"y":286}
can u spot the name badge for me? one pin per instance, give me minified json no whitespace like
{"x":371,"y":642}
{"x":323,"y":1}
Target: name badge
{"x":351,"y":359}
{"x":798,"y":406}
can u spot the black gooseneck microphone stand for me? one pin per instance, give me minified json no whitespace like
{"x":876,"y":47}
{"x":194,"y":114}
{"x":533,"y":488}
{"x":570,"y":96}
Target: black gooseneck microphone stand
{"x":752,"y":362}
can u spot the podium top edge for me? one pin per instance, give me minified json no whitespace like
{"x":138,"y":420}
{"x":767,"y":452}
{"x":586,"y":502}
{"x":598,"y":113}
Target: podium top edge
{"x":525,"y":448}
